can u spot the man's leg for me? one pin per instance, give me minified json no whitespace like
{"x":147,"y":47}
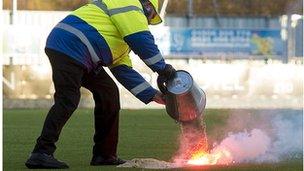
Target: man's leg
{"x":67,"y":77}
{"x":106,"y":113}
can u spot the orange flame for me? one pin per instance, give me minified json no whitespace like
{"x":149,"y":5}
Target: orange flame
{"x":199,"y":156}
{"x":202,"y":158}
{"x":194,"y":149}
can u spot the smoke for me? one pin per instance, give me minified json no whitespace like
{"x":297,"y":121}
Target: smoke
{"x":261,"y":136}
{"x":243,"y":147}
{"x":287,"y":139}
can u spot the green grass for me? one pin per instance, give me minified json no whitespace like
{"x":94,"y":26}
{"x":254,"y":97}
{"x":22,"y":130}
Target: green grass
{"x":143,"y":133}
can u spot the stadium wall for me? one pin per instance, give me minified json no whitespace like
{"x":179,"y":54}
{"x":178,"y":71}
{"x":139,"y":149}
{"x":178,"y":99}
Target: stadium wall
{"x":228,"y":82}
{"x":239,"y":84}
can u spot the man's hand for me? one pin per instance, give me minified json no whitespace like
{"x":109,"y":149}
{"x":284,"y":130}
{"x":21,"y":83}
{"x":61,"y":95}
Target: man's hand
{"x":168,"y":73}
{"x":159,"y":98}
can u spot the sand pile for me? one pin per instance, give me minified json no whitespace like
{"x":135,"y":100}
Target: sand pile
{"x":148,"y":163}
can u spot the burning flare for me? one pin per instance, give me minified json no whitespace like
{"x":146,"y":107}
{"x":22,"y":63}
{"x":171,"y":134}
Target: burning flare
{"x":194,"y":148}
{"x":200,"y":158}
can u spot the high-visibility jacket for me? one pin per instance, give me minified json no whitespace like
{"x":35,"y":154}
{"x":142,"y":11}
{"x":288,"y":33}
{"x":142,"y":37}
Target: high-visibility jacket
{"x":103,"y":33}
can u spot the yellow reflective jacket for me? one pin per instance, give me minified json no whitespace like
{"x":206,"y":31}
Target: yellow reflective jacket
{"x":102,"y":34}
{"x":105,"y":32}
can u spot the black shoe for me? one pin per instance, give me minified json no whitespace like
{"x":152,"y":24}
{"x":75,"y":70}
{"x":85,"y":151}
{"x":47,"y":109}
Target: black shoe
{"x":99,"y":161}
{"x":44,"y":161}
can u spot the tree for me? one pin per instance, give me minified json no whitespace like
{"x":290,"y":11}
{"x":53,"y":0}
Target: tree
{"x":46,"y":4}
{"x":265,"y":8}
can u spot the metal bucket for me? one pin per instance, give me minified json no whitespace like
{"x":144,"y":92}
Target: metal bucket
{"x":185,"y":100}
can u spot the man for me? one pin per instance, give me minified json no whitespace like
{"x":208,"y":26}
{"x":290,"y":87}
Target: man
{"x":99,"y":34}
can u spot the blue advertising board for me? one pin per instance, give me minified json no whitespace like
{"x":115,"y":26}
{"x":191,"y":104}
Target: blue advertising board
{"x":226,"y":42}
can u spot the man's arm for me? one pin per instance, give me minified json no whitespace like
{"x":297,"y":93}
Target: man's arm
{"x":133,"y":27}
{"x":143,"y":44}
{"x":132,"y":24}
{"x":135,"y":83}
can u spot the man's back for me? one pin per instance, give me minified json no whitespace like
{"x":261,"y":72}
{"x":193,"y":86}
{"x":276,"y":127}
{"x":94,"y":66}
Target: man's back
{"x":101,"y":27}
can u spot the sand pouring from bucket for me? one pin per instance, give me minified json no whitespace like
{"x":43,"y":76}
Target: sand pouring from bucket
{"x":185,"y":103}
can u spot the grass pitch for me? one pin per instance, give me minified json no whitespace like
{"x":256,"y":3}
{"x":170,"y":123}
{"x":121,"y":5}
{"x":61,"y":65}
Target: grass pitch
{"x":143,"y":134}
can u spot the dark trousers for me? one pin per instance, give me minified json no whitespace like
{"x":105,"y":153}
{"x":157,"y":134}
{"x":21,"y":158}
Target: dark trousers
{"x":68,"y":77}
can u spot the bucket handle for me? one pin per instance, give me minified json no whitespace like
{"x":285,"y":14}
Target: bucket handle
{"x":161,"y":83}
